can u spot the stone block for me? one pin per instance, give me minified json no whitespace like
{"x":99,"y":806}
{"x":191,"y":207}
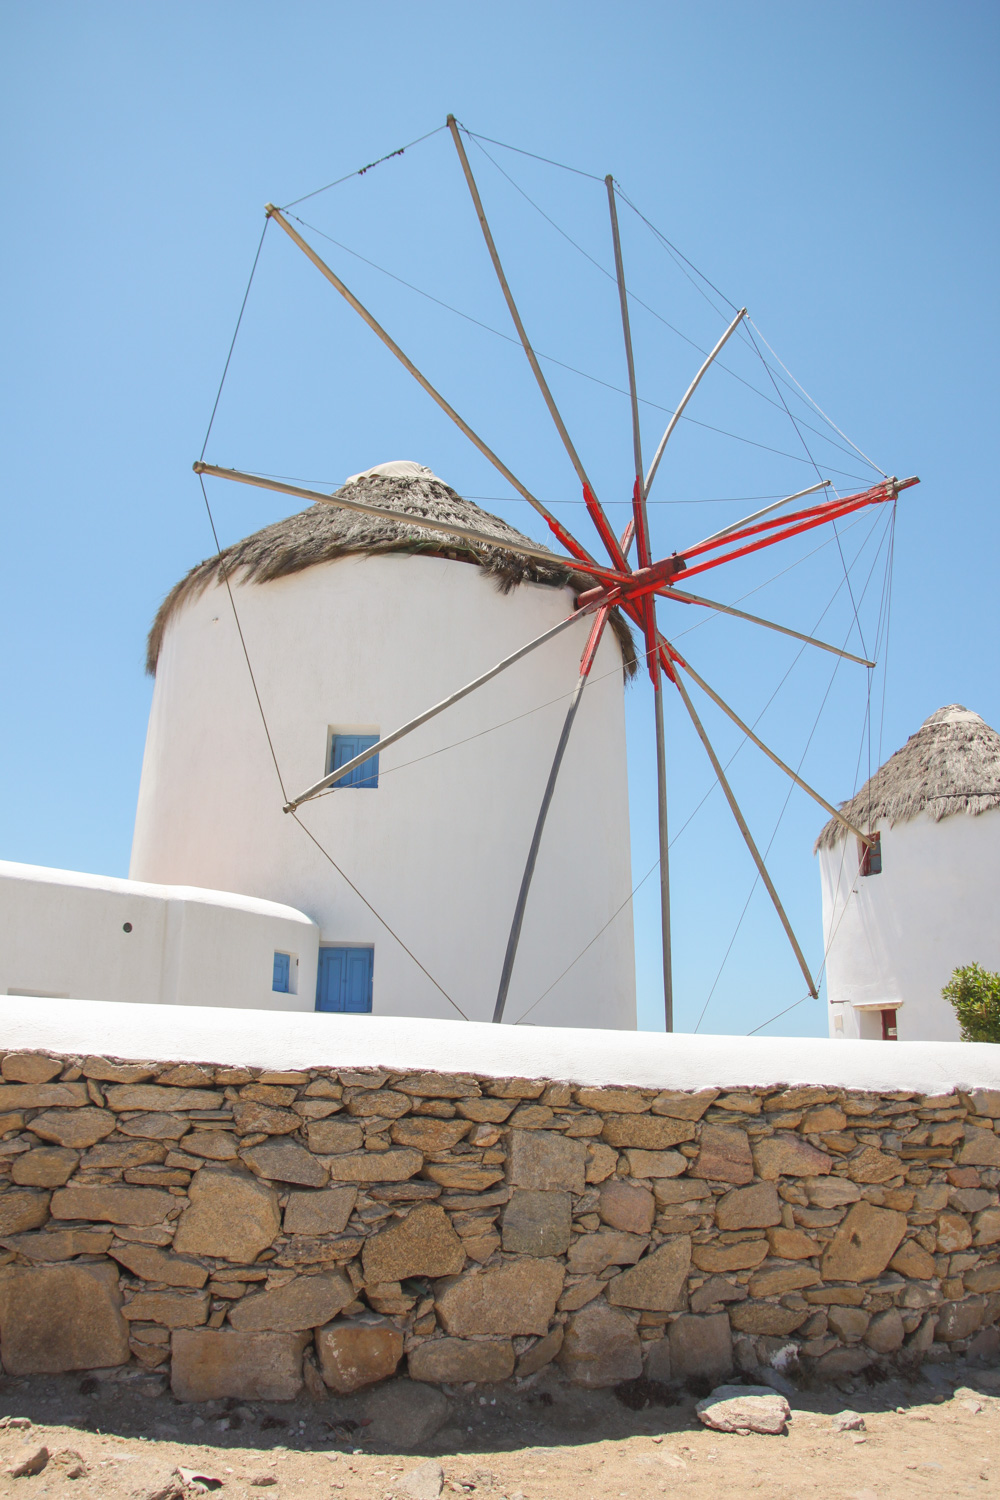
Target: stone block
{"x":169,"y":1309}
{"x":724,"y":1155}
{"x":744,"y":1409}
{"x":113,"y":1205}
{"x":323,"y":1212}
{"x":518,"y":1297}
{"x":683,"y":1190}
{"x":231,"y":1216}
{"x":792,"y":1244}
{"x":864,"y":1243}
{"x":30,"y":1067}
{"x":715,"y":1290}
{"x":465,"y":1177}
{"x":959,"y":1320}
{"x":357,"y":1352}
{"x":157,"y":1265}
{"x":656,"y":1282}
{"x":20,"y":1210}
{"x":43,"y":1095}
{"x":839,"y":1363}
{"x":283,"y":1160}
{"x":787,"y":1155}
{"x":885,"y":1332}
{"x":683,"y":1106}
{"x":333,"y":1137}
{"x":624,"y":1206}
{"x":647,"y":1132}
{"x":153,"y":1096}
{"x":214,"y":1145}
{"x":422,"y":1244}
{"x":250,"y":1117}
{"x":749,"y":1208}
{"x":428,"y":1134}
{"x":269,"y":1093}
{"x":386,"y":1104}
{"x":540,"y":1354}
{"x":157,"y":1125}
{"x":394,"y":1165}
{"x":47,"y":1167}
{"x":743,"y":1256}
{"x":954,"y":1233}
{"x":74,"y":1127}
{"x":656,"y":1361}
{"x":848,"y":1323}
{"x":590,"y":1254}
{"x":701,"y":1348}
{"x":873,"y":1165}
{"x":774,"y":1278}
{"x":912,"y":1259}
{"x":986,"y":1227}
{"x":59,"y":1244}
{"x":58,"y":1318}
{"x":452,"y":1361}
{"x":981,"y":1148}
{"x":600,"y":1348}
{"x":655,"y":1164}
{"x":767,"y":1318}
{"x":123,"y":1154}
{"x":983,"y":1278}
{"x":536,"y":1222}
{"x":484,"y":1111}
{"x":112,"y":1072}
{"x":825,"y":1119}
{"x":305,"y":1302}
{"x":831,"y":1192}
{"x":543,"y":1160}
{"x":601,"y":1162}
{"x":440,"y":1085}
{"x":211,"y":1364}
{"x":986,"y":1102}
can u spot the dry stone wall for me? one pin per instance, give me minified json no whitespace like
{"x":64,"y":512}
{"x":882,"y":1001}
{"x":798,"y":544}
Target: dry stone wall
{"x":249,"y":1231}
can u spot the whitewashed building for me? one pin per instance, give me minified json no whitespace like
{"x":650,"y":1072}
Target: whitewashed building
{"x":897,"y":923}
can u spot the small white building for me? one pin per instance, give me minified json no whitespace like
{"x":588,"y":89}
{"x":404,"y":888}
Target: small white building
{"x":897,"y":923}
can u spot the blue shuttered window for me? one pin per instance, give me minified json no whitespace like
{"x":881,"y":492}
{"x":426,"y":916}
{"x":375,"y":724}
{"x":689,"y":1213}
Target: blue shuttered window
{"x":344,"y":979}
{"x":344,"y":747}
{"x":282,"y":973}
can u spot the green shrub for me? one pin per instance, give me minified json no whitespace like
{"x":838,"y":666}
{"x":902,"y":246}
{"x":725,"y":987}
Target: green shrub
{"x":975,"y":996}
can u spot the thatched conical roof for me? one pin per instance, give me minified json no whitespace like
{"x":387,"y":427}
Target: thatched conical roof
{"x":951,"y":765}
{"x":324,"y":532}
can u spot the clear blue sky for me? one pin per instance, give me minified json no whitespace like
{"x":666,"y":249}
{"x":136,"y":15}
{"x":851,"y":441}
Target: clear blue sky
{"x":833,"y":167}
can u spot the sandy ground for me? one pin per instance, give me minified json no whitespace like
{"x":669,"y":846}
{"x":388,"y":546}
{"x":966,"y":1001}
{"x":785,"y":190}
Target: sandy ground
{"x":937,"y":1436}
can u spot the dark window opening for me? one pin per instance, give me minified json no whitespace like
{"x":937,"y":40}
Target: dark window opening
{"x":889,"y":1026}
{"x":871,"y":856}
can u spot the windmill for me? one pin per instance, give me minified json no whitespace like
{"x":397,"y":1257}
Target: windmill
{"x":633,"y":589}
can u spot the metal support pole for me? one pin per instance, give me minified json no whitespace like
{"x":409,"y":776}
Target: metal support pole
{"x":661,"y":803}
{"x":689,"y":393}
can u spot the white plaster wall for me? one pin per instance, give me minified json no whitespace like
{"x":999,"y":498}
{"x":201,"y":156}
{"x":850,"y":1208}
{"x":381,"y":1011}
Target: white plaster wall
{"x":62,"y":933}
{"x":899,"y":935}
{"x":439,"y":847}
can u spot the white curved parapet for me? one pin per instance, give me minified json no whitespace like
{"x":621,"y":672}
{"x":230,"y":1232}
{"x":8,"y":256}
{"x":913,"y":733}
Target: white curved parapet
{"x":269,"y":1040}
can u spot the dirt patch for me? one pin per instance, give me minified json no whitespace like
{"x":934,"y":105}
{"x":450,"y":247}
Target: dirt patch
{"x":937,"y":1435}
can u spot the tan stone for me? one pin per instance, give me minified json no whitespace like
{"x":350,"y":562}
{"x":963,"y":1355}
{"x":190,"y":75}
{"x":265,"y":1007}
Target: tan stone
{"x":169,"y":1309}
{"x":792,"y":1244}
{"x":124,"y":1154}
{"x":268,"y":1093}
{"x":983,"y":1278}
{"x":542,"y":1159}
{"x":453,"y":1361}
{"x":601,"y":1162}
{"x":324,"y":1212}
{"x":428,"y":1134}
{"x":43,"y":1095}
{"x":357,"y":1352}
{"x":825,"y":1118}
{"x":772,"y":1278}
{"x":885,"y":1332}
{"x":484,"y":1111}
{"x":648,"y":1132}
{"x":231,"y":1216}
{"x":580,"y":1293}
{"x":112,"y":1205}
{"x":283,"y":1076}
{"x":701,"y":1348}
{"x":112,"y":1072}
{"x":724,"y":1155}
{"x":959,"y":1320}
{"x":440,"y":1085}
{"x":74,"y":1127}
{"x":981,"y":1148}
{"x":986,"y":1102}
{"x":48,"y":1166}
{"x":864,"y":1243}
{"x":628,"y":1207}
{"x":461,"y":1176}
{"x":159,"y":1125}
{"x":316,"y":1109}
{"x":652,"y":1164}
{"x":422,"y":1244}
{"x":831,"y":1192}
{"x":152,"y":1096}
{"x":684,"y":1106}
{"x":531,"y":1117}
{"x":518,"y":1297}
{"x":252,"y":1118}
{"x":184,"y":1075}
{"x":59,"y":1244}
{"x":536,"y":1222}
{"x":58,"y":1318}
{"x":784,"y":1155}
{"x":593,"y":1253}
{"x":873,"y":1165}
{"x":716,"y":1290}
{"x":683,"y":1190}
{"x":753,"y":1207}
{"x":215,"y":1145}
{"x":740,"y":1257}
{"x":480,"y":1247}
{"x":395,"y":1165}
{"x":330,"y":1137}
{"x":600,"y":1348}
{"x":540,"y":1354}
{"x":656,"y":1282}
{"x":283,"y":1160}
{"x":22,"y":1210}
{"x":30,"y":1067}
{"x":13,"y":1120}
{"x":954,"y":1232}
{"x":387,"y":1104}
{"x":912,"y":1259}
{"x":304,"y":1302}
{"x":155,"y":1265}
{"x":315,"y":1250}
{"x":514,"y":1088}
{"x":767,"y":1318}
{"x":211,"y":1364}
{"x":614,"y":1101}
{"x":848,"y":1323}
{"x":986,"y":1226}
{"x":839,"y":1363}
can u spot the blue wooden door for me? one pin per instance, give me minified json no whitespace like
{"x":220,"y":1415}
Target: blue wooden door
{"x":282,"y":973}
{"x":344,"y":979}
